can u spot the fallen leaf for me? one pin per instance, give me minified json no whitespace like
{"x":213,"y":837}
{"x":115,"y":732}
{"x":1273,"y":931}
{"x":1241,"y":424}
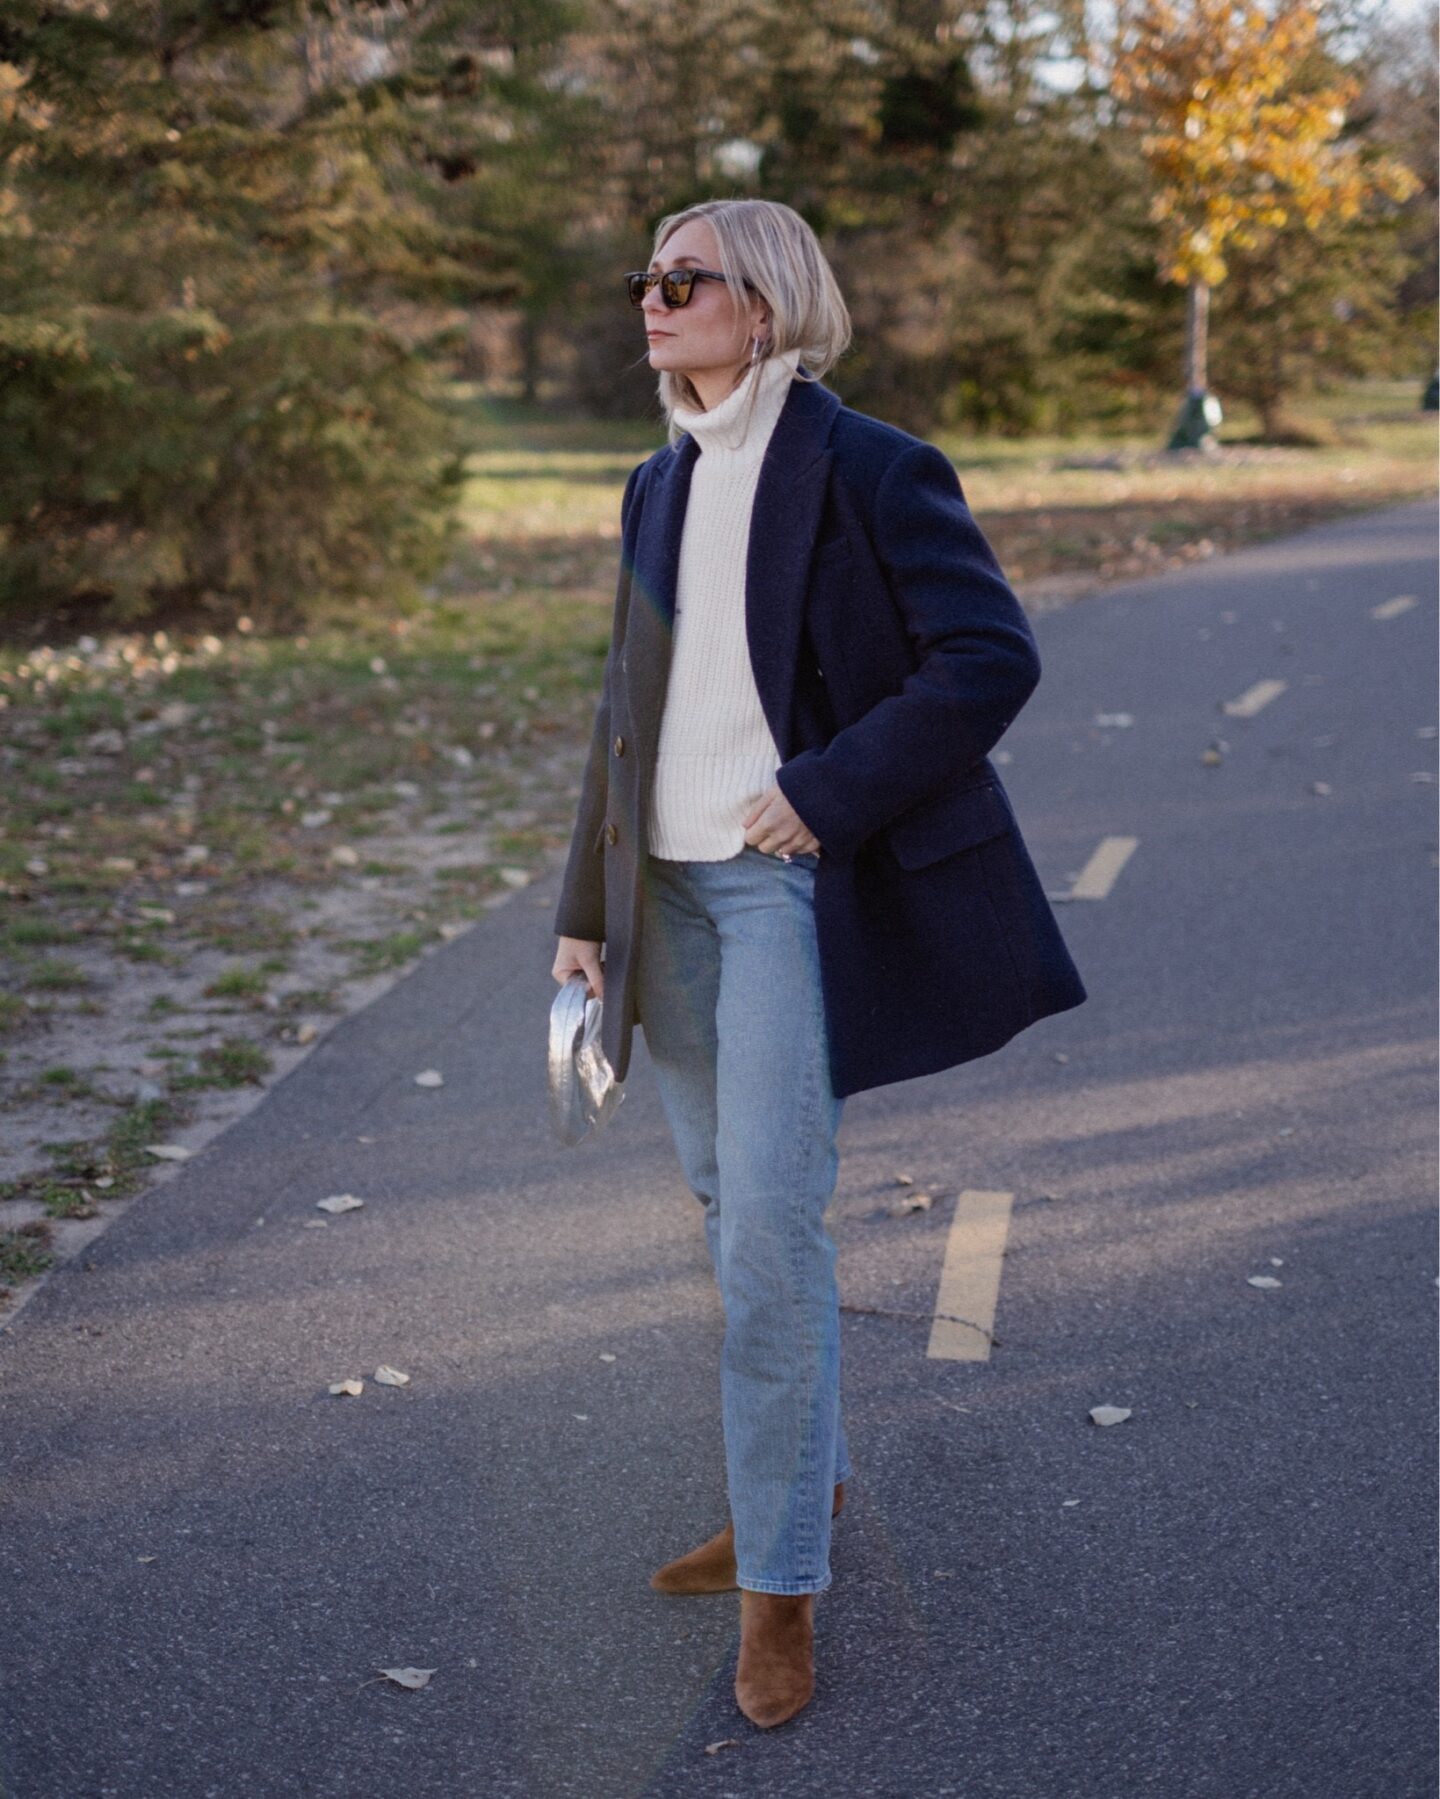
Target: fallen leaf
{"x":1262,"y":1280}
{"x":913,"y":1202}
{"x":904,"y":1180}
{"x":147,"y":1558}
{"x":344,"y":855}
{"x":1109,"y":1414}
{"x":306,"y":1034}
{"x":169,"y":1152}
{"x":414,"y":1678}
{"x":430,"y":1077}
{"x":353,"y":1387}
{"x":724,"y":1743}
{"x":339,"y":1202}
{"x":391,"y":1377}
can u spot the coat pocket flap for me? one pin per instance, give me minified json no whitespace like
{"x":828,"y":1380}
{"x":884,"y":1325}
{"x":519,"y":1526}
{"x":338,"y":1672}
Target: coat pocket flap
{"x":955,"y":821}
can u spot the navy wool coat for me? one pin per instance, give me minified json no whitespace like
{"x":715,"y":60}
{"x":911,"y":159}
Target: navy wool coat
{"x":890,"y":655}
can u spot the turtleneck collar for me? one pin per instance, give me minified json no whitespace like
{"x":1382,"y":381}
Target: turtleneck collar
{"x":724,"y":427}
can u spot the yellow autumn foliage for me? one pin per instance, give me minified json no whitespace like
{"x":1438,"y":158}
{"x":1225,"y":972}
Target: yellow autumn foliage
{"x":1235,"y":145}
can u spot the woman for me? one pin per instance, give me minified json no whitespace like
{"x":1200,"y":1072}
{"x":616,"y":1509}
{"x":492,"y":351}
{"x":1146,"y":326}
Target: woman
{"x":803,"y":870}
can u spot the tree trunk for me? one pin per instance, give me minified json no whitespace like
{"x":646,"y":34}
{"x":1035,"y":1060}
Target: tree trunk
{"x":1197,"y":326}
{"x":529,"y":360}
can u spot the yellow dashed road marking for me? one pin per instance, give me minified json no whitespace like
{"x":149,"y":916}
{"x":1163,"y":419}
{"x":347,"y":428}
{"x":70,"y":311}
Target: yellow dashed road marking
{"x":1253,"y":699}
{"x":970,"y":1279}
{"x":1098,"y":876}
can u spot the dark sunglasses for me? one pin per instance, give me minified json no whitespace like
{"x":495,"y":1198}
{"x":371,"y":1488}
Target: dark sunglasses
{"x":676,"y":285}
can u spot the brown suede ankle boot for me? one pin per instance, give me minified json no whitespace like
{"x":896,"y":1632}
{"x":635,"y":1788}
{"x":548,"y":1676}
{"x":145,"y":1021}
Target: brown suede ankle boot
{"x":776,"y":1672}
{"x":711,"y":1567}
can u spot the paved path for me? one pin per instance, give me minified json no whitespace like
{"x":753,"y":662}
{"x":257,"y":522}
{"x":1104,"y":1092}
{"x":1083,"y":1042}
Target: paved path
{"x":204,"y":1558}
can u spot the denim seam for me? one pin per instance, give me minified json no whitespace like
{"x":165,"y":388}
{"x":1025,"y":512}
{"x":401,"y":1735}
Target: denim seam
{"x":808,"y":1536}
{"x":807,"y":1532}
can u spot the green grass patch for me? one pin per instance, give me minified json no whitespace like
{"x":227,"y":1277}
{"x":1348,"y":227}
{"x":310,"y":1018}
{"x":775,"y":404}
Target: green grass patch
{"x":24,"y":1251}
{"x":234,"y":1063}
{"x":237,"y":983}
{"x":55,"y":974}
{"x":311,"y":999}
{"x":374,"y":955}
{"x":32,"y":933}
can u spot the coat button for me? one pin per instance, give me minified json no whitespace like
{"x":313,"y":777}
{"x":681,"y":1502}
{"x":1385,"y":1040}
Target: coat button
{"x":611,"y":834}
{"x":619,"y":746}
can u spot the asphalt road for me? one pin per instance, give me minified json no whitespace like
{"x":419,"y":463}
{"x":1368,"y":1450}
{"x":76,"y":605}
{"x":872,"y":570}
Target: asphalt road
{"x":205,"y":1558}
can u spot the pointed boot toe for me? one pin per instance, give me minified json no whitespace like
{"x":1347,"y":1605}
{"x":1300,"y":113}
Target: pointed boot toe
{"x":775,"y":1676}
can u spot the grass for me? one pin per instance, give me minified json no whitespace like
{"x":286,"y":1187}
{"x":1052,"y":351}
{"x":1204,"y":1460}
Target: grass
{"x":540,"y":495}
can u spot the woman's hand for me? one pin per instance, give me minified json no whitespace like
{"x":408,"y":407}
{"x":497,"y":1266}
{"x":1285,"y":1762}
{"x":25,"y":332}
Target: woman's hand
{"x":576,"y":955}
{"x":774,"y":826}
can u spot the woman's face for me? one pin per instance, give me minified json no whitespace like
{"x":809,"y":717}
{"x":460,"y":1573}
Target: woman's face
{"x":703,"y":336}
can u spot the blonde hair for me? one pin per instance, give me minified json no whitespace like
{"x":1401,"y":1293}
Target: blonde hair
{"x":769,"y":244}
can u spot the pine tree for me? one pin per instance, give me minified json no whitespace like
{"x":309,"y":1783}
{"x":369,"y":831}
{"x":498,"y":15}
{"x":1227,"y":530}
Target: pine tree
{"x":234,"y":232}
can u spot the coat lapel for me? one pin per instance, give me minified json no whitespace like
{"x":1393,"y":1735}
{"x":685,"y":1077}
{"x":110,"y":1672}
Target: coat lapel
{"x":649,"y":630}
{"x":789,"y":501}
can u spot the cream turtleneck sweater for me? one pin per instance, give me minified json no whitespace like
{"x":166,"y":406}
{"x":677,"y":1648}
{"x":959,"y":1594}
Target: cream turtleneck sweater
{"x":716,"y":756}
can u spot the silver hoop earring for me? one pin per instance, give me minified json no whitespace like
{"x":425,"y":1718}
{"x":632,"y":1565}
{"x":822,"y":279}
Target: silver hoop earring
{"x":754,"y":351}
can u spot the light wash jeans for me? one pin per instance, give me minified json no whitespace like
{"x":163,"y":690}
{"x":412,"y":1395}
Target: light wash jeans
{"x":729,"y":1001}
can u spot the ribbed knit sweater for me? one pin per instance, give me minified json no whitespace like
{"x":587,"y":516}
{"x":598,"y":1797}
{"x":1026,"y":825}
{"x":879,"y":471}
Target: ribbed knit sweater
{"x":716,"y":756}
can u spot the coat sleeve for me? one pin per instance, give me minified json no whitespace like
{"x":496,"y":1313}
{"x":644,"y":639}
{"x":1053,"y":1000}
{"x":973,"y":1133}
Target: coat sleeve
{"x":581,"y":908}
{"x":977,"y":664}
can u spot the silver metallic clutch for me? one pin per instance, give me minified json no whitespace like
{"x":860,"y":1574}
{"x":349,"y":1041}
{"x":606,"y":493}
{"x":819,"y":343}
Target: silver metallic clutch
{"x":583,"y":1088}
